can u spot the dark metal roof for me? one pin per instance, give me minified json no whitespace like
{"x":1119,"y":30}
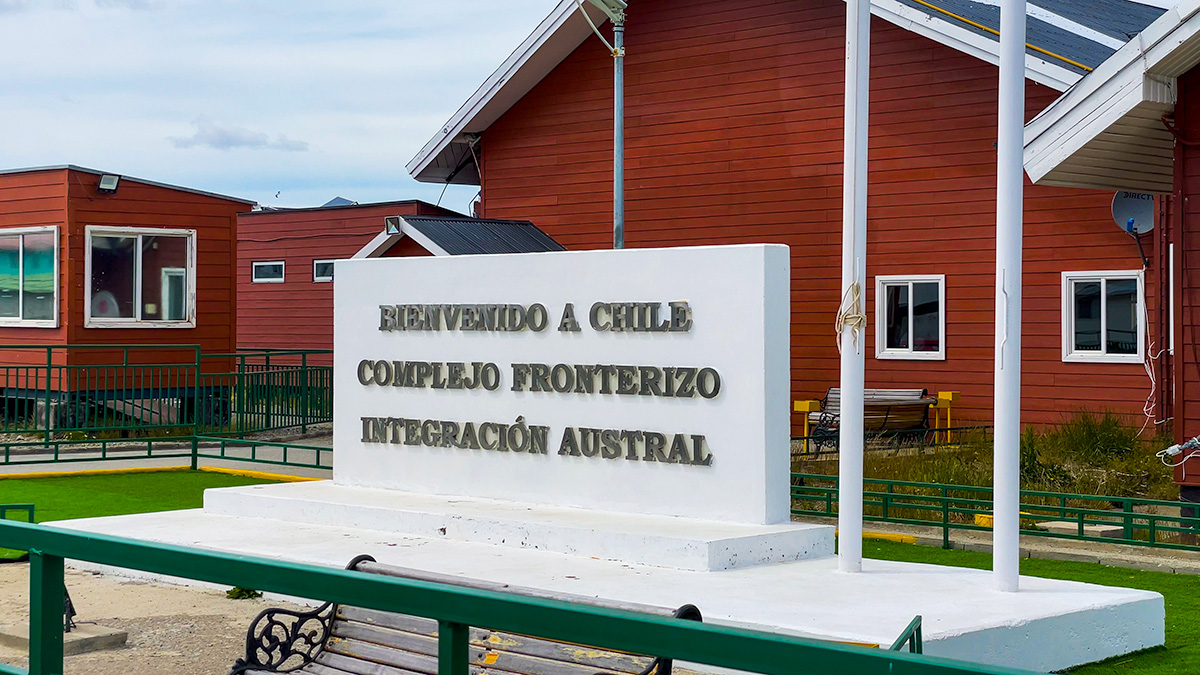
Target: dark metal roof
{"x":269,"y":210}
{"x":466,"y":236}
{"x":1116,"y":19}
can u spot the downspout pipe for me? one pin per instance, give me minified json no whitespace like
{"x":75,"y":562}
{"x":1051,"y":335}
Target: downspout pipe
{"x":619,"y":132}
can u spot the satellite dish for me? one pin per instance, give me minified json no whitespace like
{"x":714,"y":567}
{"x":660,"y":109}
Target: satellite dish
{"x":1133,"y":211}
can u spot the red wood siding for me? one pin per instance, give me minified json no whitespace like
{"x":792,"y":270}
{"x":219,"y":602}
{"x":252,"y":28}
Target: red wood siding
{"x":141,"y":205}
{"x":35,"y":199}
{"x":298,"y":238}
{"x":734,"y":134}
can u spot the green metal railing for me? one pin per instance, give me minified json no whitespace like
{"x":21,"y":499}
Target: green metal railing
{"x":910,"y":637}
{"x":454,"y":607}
{"x":99,"y":402}
{"x":1142,"y":522}
{"x":27,"y":509}
{"x":265,"y":452}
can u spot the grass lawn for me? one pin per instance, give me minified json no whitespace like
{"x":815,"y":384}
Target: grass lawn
{"x":66,"y":497}
{"x":1181,"y":592}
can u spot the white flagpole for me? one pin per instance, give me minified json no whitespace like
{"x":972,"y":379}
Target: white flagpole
{"x":854,"y":258}
{"x":1009,"y":221}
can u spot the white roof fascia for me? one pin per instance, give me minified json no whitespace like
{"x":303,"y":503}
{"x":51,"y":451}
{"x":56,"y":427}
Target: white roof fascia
{"x":419,"y":237}
{"x":1136,"y":77}
{"x":504,"y":77}
{"x":384,"y":241}
{"x":516,"y":76}
{"x":378,"y":244}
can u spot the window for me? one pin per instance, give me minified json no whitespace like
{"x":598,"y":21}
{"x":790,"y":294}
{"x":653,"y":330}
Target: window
{"x":29,"y":277}
{"x":140,"y":277}
{"x":1103,"y":317}
{"x":267,"y":272}
{"x":910,"y":318}
{"x":322,"y":270}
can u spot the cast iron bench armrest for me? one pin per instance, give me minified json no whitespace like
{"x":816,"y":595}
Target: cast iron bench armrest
{"x":284,"y":641}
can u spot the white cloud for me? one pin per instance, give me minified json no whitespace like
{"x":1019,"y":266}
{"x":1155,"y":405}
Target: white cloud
{"x":211,"y":135}
{"x":155,"y":94}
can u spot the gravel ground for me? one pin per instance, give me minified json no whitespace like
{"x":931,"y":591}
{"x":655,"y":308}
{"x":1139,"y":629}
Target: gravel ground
{"x":176,"y":629}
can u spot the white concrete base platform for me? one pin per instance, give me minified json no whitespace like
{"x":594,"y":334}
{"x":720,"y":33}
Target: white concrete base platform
{"x":663,"y":541}
{"x":1049,"y":625}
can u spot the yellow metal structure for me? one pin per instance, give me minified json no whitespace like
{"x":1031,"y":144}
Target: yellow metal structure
{"x":806,"y":407}
{"x":945,"y":401}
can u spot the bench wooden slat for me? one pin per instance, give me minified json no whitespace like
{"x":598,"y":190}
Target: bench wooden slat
{"x":404,"y":622}
{"x":485,"y":641}
{"x":361,"y":669}
{"x":336,"y":664}
{"x":367,"y":651}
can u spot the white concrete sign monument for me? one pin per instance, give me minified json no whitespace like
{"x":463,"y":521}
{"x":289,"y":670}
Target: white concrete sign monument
{"x":647,"y":381}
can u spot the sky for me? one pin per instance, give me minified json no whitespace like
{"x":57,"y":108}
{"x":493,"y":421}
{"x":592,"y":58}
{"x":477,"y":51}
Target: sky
{"x":285,"y":102}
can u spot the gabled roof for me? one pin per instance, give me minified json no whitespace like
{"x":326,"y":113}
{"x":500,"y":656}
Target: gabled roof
{"x":1108,"y":132}
{"x":1071,"y":36}
{"x":464,"y":236}
{"x":84,"y":169}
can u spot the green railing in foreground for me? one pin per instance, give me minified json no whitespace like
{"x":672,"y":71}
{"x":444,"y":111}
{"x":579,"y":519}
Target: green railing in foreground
{"x":954,"y":507}
{"x":454,"y":607}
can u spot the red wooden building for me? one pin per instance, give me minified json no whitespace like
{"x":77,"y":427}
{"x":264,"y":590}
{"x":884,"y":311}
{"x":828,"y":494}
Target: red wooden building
{"x":93,"y":258}
{"x":733,"y":123}
{"x":1134,"y":124}
{"x":285,"y":259}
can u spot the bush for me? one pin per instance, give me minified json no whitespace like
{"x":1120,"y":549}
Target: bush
{"x":1089,"y":453}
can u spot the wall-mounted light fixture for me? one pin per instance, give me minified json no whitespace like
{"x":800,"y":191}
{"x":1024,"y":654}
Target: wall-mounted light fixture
{"x":391,"y":225}
{"x":108,"y":183}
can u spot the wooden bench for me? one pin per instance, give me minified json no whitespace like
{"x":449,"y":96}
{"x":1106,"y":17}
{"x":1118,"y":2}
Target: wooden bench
{"x":883,"y":409}
{"x":340,"y":640}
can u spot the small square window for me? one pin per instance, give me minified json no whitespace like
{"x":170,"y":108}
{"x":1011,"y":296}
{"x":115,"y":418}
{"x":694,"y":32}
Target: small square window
{"x":267,"y":272}
{"x":910,"y":320}
{"x":1103,"y":317}
{"x":322,"y":270}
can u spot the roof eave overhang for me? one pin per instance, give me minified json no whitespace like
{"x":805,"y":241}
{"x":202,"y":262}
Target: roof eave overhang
{"x":1107,"y":132}
{"x":447,"y":156}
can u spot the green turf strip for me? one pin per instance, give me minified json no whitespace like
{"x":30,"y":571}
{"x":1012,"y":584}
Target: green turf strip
{"x":67,"y":497}
{"x":1181,"y":591}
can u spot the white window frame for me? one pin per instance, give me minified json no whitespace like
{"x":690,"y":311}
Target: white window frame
{"x":1069,"y":355}
{"x":262,"y":263}
{"x":320,"y":279}
{"x":17,"y":321}
{"x":881,"y":351}
{"x":136,"y":321}
{"x":164,"y":295}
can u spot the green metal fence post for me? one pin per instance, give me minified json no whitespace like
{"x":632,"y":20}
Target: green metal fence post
{"x":945,"y":519}
{"x":196,"y":413}
{"x":49,"y":370}
{"x":46,"y":595}
{"x":1128,"y":518}
{"x":304,"y":394}
{"x":453,"y":654}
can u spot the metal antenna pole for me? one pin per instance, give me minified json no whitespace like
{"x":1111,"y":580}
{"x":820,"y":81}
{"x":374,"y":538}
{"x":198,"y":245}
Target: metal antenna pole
{"x":619,"y":132}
